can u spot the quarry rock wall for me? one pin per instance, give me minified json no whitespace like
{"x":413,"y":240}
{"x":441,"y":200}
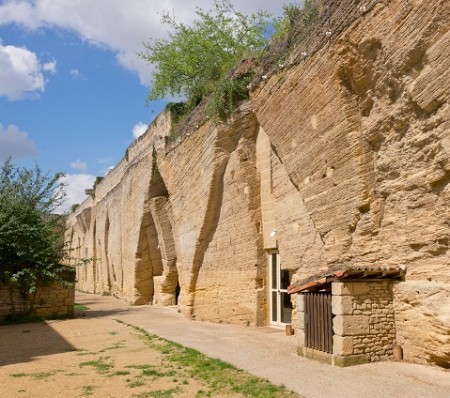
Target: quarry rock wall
{"x":362,"y":127}
{"x":341,"y":156}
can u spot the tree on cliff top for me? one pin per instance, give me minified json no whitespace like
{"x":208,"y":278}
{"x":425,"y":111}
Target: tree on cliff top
{"x":196,"y":60}
{"x":31,"y":238}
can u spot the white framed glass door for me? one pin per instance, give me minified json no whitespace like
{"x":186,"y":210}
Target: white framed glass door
{"x":280,"y":300}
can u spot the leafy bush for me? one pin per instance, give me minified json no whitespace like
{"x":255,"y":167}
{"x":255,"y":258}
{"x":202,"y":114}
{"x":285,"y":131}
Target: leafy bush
{"x":296,"y":19}
{"x":196,"y":58}
{"x":31,"y":237}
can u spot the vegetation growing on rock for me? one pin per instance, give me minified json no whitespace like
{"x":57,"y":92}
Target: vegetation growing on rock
{"x":196,"y":60}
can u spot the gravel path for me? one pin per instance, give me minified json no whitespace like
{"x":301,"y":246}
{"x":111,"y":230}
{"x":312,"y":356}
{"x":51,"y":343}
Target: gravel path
{"x":269,"y":353}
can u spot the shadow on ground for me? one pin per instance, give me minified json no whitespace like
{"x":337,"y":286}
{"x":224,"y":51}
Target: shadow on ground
{"x":103,"y":306}
{"x":99,"y":313}
{"x":24,"y":342}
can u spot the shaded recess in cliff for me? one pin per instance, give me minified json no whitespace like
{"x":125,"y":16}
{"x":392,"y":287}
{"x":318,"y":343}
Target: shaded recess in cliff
{"x":156,"y":277}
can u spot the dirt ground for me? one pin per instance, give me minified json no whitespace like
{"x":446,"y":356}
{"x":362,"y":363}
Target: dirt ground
{"x":84,"y":357}
{"x":100,"y":357}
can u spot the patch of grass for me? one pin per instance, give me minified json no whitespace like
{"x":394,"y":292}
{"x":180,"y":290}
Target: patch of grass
{"x":18,"y":375}
{"x":136,"y":383}
{"x":80,"y":307}
{"x":119,"y":373}
{"x":158,"y":393}
{"x":144,"y":366}
{"x":157,"y":373}
{"x":214,"y":374}
{"x":100,"y":364}
{"x":36,"y":376}
{"x":116,"y":346}
{"x":88,"y":390}
{"x":82,"y":352}
{"x":45,"y":375}
{"x":202,"y":393}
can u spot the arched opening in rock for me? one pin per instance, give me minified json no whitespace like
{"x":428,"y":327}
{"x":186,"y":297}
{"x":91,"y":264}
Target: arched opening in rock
{"x":167,"y":288}
{"x":156,"y":272}
{"x":148,"y":259}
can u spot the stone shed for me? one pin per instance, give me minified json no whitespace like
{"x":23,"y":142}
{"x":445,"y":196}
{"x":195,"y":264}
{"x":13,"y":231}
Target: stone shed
{"x":346,"y":317}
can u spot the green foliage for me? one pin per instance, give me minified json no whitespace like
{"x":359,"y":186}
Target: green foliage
{"x":31,"y":237}
{"x":296,"y":19}
{"x":74,"y":207}
{"x":88,"y":390}
{"x":80,"y":307}
{"x":228,"y":94}
{"x":195,"y":58}
{"x":97,"y":181}
{"x":292,"y":29}
{"x":37,"y":376}
{"x":156,"y":175}
{"x":282,"y":25}
{"x":101,"y":364}
{"x":178,"y":110}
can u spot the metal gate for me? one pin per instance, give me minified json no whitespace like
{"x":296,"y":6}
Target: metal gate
{"x":318,"y":321}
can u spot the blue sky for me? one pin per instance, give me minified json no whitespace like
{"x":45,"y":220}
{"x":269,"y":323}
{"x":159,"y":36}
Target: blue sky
{"x":72,"y":88}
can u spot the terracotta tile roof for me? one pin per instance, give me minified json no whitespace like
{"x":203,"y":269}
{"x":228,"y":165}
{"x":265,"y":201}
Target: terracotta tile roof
{"x":320,"y":281}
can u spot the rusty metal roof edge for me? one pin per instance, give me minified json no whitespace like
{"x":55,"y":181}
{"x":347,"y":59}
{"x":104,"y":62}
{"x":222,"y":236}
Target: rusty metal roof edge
{"x":322,"y":280}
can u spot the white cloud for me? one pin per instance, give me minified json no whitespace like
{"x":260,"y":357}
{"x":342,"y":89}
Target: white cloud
{"x":75,"y":73}
{"x":21,"y":73}
{"x":119,"y":25}
{"x":76,"y":184}
{"x":139,"y":129}
{"x":15,"y":143}
{"x":79,"y":165}
{"x":108,"y":159}
{"x":50,"y":67}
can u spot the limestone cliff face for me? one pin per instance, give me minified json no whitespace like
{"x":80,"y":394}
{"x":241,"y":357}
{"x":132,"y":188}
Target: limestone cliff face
{"x":340,"y":157}
{"x":362,"y":129}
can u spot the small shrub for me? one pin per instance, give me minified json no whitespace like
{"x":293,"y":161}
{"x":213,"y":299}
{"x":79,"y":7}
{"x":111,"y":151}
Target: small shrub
{"x":227,"y":95}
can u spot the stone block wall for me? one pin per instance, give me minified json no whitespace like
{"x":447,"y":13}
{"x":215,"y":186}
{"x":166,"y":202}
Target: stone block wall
{"x":48,"y":301}
{"x":363,"y":323}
